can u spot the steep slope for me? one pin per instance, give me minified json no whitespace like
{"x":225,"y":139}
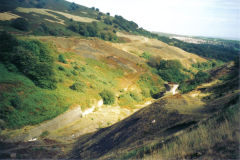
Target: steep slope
{"x":75,"y":82}
{"x":165,"y":123}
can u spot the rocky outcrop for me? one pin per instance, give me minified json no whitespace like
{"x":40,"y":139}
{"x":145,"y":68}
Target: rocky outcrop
{"x":171,"y":88}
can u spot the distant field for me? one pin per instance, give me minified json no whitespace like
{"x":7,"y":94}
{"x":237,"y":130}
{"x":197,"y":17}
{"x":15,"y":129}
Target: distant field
{"x":47,"y":12}
{"x":6,"y":16}
{"x":140,"y":44}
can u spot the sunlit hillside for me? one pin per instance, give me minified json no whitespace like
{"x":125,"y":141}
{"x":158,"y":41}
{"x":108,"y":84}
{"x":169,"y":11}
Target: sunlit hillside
{"x":77,"y":83}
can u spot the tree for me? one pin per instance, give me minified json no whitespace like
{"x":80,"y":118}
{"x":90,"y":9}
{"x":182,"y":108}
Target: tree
{"x":99,"y":17}
{"x":201,"y":77}
{"x":107,"y":21}
{"x":108,"y":13}
{"x":73,"y":6}
{"x":21,"y":24}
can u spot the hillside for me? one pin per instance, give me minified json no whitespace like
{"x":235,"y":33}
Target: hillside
{"x":79,"y":83}
{"x":168,"y":129}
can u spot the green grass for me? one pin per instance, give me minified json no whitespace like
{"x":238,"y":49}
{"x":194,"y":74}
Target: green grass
{"x":25,"y":104}
{"x":150,"y":84}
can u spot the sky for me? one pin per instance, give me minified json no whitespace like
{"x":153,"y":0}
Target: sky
{"x":212,"y":18}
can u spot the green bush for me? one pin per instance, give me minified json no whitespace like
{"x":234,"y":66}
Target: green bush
{"x":44,"y":134}
{"x":146,"y":55}
{"x":78,"y":86}
{"x":16,"y":102}
{"x":186,"y":87}
{"x":31,"y":57}
{"x":148,"y":83}
{"x":74,"y":72}
{"x":61,"y":68}
{"x":82,"y":69}
{"x":21,"y":24}
{"x":169,"y":70}
{"x":11,"y":67}
{"x":61,"y":58}
{"x":108,"y":97}
{"x":200,"y":77}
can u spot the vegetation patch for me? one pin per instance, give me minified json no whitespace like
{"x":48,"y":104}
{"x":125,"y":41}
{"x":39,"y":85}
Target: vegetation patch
{"x":200,"y":77}
{"x":31,"y":57}
{"x":150,"y":84}
{"x":79,"y":86}
{"x":21,"y":24}
{"x":108,"y":97}
{"x":61,"y":58}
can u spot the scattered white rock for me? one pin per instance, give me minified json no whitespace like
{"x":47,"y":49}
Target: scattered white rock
{"x":88,"y":111}
{"x":153,"y":121}
{"x":32,"y":139}
{"x":100,"y":103}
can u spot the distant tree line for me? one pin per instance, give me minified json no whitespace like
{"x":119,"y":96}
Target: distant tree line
{"x":92,"y":30}
{"x":225,"y":51}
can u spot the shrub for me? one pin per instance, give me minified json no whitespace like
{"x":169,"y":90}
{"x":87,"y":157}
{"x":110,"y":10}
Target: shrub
{"x":74,"y":72}
{"x":186,"y":87}
{"x":78,"y":86}
{"x":146,"y":55}
{"x":201,"y":77}
{"x":135,"y":96}
{"x":11,"y":67}
{"x":169,"y":70}
{"x":108,"y":97}
{"x":82,"y":69}
{"x":76,"y":67}
{"x":44,"y":134}
{"x":21,"y":24}
{"x":61,"y":68}
{"x":16,"y":102}
{"x":61,"y":58}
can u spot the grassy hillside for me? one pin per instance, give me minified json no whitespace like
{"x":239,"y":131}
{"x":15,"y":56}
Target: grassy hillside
{"x":69,"y":69}
{"x":62,"y":18}
{"x":33,"y":69}
{"x":58,"y":57}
